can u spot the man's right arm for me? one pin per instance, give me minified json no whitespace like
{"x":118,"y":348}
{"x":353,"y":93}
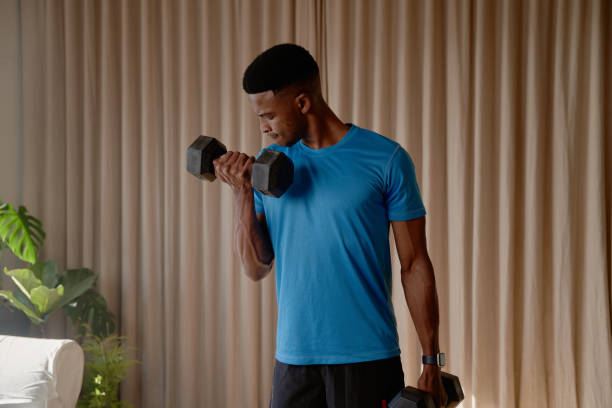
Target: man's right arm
{"x":251,"y":237}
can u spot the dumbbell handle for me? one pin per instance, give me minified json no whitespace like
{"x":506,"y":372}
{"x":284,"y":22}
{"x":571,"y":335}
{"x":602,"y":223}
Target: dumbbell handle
{"x":272,"y":172}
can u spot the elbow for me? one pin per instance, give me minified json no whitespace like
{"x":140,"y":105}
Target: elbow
{"x":253,"y":267}
{"x":252,"y":273}
{"x":420,"y":267}
{"x":257,"y":272}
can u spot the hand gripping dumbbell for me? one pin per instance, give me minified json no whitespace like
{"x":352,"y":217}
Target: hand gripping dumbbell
{"x":272,"y":172}
{"x":411,"y":397}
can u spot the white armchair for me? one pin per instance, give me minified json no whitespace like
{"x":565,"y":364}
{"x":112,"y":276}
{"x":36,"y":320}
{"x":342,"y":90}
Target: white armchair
{"x":39,"y":373}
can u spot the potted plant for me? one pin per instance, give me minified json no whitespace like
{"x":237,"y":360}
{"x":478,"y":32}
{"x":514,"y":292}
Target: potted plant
{"x":39,"y":289}
{"x":105,"y":367}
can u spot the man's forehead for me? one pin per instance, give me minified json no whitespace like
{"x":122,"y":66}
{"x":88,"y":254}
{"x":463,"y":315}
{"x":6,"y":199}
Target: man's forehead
{"x":263,"y":102}
{"x":262,"y":97}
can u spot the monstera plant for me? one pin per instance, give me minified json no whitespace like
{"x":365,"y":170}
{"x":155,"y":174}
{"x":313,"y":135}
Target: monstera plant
{"x":21,"y":232}
{"x":40,"y":289}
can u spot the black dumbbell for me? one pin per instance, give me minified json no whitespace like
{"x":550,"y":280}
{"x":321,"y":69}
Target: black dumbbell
{"x":272,"y":172}
{"x":411,"y":397}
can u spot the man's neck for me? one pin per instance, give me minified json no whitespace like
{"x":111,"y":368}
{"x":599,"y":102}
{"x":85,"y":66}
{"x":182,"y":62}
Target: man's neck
{"x":324,"y":129}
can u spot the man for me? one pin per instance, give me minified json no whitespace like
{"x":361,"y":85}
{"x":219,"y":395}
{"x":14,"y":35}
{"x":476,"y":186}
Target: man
{"x":337,"y":342}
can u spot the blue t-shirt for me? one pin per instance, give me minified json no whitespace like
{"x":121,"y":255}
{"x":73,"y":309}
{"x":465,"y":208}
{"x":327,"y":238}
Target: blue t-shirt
{"x":330,"y":234}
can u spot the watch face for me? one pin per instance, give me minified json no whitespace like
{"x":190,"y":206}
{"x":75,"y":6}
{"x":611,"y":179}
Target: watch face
{"x":441,"y":359}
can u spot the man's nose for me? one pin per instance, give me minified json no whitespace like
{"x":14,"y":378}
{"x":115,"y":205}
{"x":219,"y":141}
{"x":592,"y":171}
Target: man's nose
{"x":264,"y":126}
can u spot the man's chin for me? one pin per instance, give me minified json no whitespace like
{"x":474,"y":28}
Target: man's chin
{"x":285,"y":143}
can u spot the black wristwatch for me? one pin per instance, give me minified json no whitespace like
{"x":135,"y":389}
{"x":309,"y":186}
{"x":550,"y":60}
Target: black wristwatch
{"x":437,"y":360}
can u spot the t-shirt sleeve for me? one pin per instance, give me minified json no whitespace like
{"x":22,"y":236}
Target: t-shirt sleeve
{"x":402,"y":195}
{"x":259,"y":208}
{"x":257,"y":196}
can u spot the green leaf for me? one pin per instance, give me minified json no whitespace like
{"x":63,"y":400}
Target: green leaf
{"x":39,"y":299}
{"x":24,"y":279}
{"x":46,"y":272}
{"x":90,"y":309}
{"x":76,"y":282}
{"x":45,"y":299}
{"x":20,"y":296}
{"x":28,"y":310}
{"x":21,"y":232}
{"x":105,"y":368}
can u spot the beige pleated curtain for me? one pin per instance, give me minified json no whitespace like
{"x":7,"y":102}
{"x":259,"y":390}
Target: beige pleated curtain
{"x":505,"y":107}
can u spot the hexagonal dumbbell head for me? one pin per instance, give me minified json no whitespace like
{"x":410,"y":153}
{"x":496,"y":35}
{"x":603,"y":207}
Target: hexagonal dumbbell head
{"x":200,"y":156}
{"x":453,"y":389}
{"x":411,"y":397}
{"x":272,"y":173}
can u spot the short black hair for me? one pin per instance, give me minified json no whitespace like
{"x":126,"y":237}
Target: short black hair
{"x":278,"y":67}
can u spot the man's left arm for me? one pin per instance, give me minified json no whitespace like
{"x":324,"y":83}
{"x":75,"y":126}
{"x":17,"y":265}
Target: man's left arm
{"x":419,"y":285}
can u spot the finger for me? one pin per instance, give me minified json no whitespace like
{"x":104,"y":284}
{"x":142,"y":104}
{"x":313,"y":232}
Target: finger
{"x":219,"y":161}
{"x":237,"y":159}
{"x":224,"y":162}
{"x":247,"y":167}
{"x":248,"y":164}
{"x":442,"y":399}
{"x":236,"y":170}
{"x":239,"y":165}
{"x":223,"y":158}
{"x":231,"y":168}
{"x":221,"y":164}
{"x":231,"y":163}
{"x":220,"y":173}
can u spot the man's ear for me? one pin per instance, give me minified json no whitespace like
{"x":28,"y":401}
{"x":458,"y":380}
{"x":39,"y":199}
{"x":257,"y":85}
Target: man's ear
{"x":303,"y":102}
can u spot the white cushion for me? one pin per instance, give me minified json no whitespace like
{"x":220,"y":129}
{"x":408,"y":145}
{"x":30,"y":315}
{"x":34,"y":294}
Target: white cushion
{"x":39,"y":372}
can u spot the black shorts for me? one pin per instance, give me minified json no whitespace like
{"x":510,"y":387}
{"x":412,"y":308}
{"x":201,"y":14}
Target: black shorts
{"x":371,"y":384}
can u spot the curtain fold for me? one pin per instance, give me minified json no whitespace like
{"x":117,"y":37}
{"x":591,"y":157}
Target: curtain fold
{"x":504,"y":107}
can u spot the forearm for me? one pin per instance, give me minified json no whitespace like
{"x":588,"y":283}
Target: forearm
{"x":420,"y":292}
{"x":251,"y":242}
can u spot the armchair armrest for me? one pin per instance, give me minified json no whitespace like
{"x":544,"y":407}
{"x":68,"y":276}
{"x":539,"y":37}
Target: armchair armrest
{"x":40,"y":372}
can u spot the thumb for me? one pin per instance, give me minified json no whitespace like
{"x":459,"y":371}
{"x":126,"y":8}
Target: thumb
{"x":248,"y":166}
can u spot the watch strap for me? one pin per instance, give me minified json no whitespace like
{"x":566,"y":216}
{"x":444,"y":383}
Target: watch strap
{"x":437,"y":359}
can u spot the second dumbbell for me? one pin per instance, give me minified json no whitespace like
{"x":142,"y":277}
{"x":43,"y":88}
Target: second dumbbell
{"x":411,"y":397}
{"x":272,"y":172}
